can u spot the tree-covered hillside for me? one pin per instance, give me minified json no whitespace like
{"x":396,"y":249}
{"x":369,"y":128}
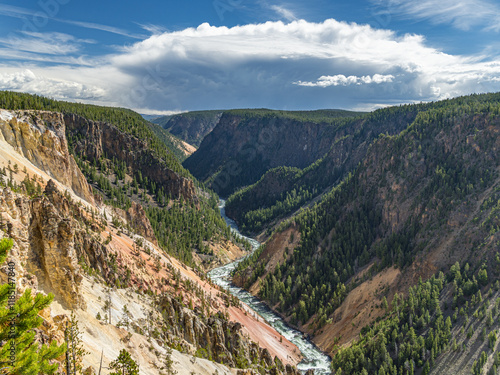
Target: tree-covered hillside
{"x":118,"y":166}
{"x":126,"y":120}
{"x":283,"y":190}
{"x":191,"y":127}
{"x":449,"y":321}
{"x":420,"y":191}
{"x":327,"y":116}
{"x":245,"y":144}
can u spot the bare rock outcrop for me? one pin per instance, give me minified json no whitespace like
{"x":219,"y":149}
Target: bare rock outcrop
{"x":136,"y":217}
{"x":98,"y":139}
{"x":40,"y":137}
{"x":223,"y":340}
{"x":50,"y":238}
{"x":53,"y":258}
{"x":15,"y":213}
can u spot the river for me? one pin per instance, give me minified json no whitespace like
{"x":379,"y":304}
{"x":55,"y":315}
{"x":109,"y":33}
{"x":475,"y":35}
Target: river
{"x":313,"y":357}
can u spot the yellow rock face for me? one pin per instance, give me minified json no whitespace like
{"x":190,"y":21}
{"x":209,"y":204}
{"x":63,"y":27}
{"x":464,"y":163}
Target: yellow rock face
{"x":40,"y":137}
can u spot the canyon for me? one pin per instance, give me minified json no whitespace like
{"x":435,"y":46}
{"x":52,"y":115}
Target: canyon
{"x":68,"y":242}
{"x":374,"y":221}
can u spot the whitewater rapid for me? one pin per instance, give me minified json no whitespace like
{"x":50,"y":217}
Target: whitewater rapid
{"x":313,"y":357}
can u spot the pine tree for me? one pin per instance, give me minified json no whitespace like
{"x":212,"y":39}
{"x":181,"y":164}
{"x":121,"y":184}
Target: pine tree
{"x":75,"y":352}
{"x":5,"y":246}
{"x":108,"y":305}
{"x":385,"y":305}
{"x":426,"y":368}
{"x":20,"y":353}
{"x":124,"y":364}
{"x":168,"y":363}
{"x":126,"y":317}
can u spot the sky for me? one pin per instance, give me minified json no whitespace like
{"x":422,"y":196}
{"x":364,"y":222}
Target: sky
{"x":161,"y":57}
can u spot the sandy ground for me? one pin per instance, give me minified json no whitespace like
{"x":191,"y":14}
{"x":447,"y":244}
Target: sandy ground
{"x":101,"y":337}
{"x":146,"y":276}
{"x":257,"y":329}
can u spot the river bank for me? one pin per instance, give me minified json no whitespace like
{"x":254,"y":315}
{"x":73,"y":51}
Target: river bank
{"x":313,"y":358}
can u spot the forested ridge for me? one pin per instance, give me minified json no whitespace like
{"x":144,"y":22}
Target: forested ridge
{"x":328,"y":116}
{"x":410,"y":193}
{"x":191,"y":127}
{"x":247,"y":143}
{"x":126,"y":120}
{"x":447,"y":313}
{"x":181,"y":226}
{"x":283,"y":190}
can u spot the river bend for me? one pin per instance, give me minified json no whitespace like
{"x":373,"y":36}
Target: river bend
{"x":313,"y":357}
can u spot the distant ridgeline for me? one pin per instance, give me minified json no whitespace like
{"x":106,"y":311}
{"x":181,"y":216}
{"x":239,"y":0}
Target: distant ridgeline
{"x":191,"y":127}
{"x":128,"y":159}
{"x":245,"y":144}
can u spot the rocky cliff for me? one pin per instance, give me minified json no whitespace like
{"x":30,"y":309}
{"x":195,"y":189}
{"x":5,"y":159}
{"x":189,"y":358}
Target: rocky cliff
{"x":138,"y":221}
{"x":84,"y":252}
{"x":191,"y":127}
{"x":98,"y":140}
{"x":57,"y":246}
{"x":418,"y":202}
{"x":51,"y":236}
{"x":53,"y":256}
{"x":221,"y":339}
{"x":282,"y":191}
{"x":242,"y":148}
{"x":40,"y":137}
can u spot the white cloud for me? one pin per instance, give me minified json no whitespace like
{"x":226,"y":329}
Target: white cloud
{"x":274,"y":64}
{"x":284,"y":12}
{"x":230,"y":65}
{"x":342,"y":80}
{"x":34,"y":19}
{"x":462,"y":14}
{"x":11,"y":54}
{"x":27,"y":81}
{"x":153,"y":29}
{"x":97,"y":26}
{"x":43,"y":43}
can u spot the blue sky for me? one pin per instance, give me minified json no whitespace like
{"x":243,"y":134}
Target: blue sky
{"x":162,"y":56}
